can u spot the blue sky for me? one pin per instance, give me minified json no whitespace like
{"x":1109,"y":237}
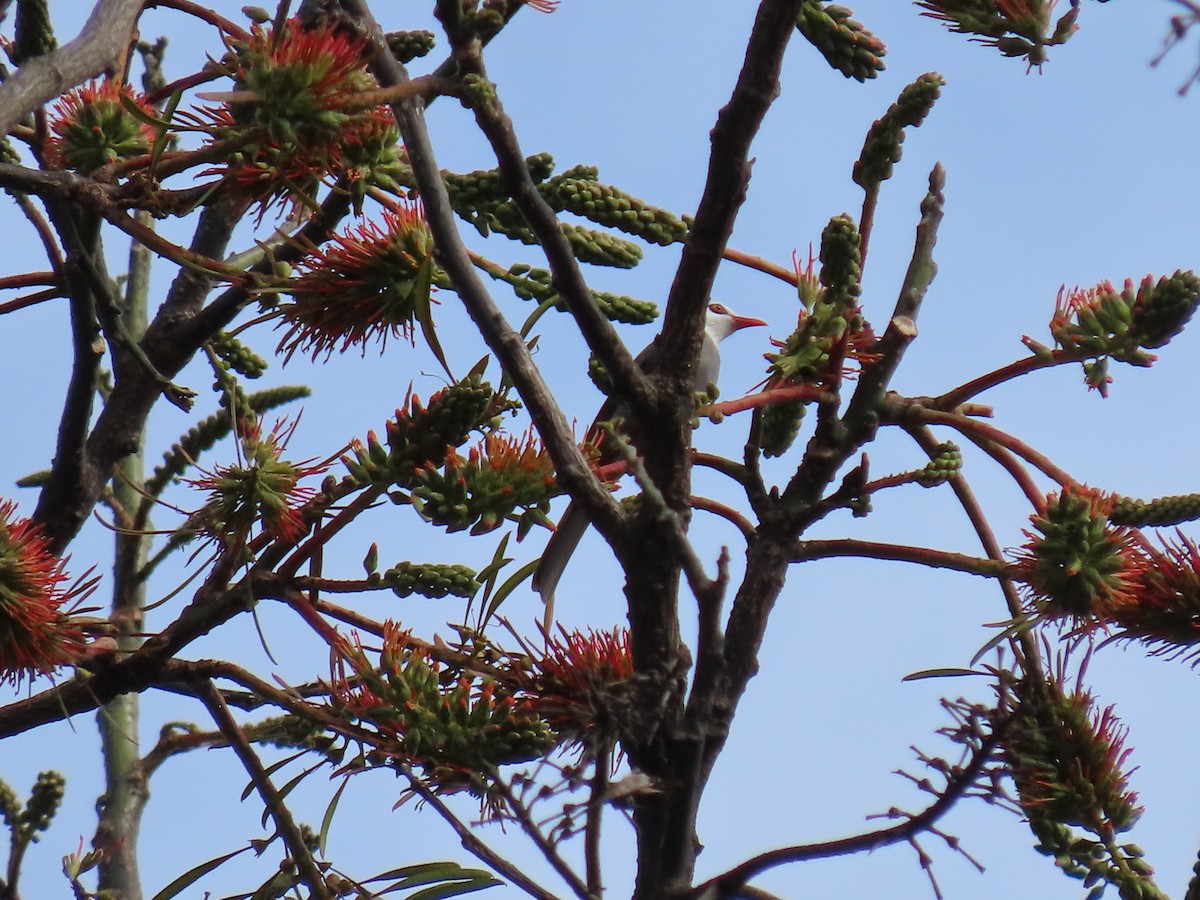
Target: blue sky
{"x":1083,"y":172}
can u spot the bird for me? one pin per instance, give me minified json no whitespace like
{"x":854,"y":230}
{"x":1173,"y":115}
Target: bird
{"x":719,"y":323}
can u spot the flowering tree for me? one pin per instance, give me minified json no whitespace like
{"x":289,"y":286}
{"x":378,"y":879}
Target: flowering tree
{"x":307,"y":141}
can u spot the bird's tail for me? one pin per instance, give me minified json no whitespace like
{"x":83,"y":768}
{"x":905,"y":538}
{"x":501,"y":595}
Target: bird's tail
{"x":559,"y":548}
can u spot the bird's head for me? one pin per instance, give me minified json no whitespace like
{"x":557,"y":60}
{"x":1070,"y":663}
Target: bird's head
{"x":721,"y":321}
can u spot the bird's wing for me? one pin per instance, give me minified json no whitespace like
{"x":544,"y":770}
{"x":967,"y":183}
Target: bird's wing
{"x":558,"y":552}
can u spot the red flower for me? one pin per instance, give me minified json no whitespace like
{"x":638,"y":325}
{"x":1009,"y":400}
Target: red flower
{"x":36,"y":636}
{"x":369,"y":283}
{"x":1075,"y":563}
{"x":1162,"y":608}
{"x":296,"y":111}
{"x":92,"y":127}
{"x":261,"y":488}
{"x":585,"y":684}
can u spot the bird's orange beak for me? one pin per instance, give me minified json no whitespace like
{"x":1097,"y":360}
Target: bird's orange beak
{"x":740,"y":322}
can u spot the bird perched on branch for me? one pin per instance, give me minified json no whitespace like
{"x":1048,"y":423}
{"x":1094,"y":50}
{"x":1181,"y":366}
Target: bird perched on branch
{"x":719,"y":323}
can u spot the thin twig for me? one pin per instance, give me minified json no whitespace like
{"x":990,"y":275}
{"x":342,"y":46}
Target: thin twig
{"x":272,"y":799}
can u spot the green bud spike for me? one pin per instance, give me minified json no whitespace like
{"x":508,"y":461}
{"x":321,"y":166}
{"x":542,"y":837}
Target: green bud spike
{"x":846,"y":45}
{"x":1160,"y":311}
{"x":44,"y":801}
{"x":432,"y":580}
{"x":841,"y":263}
{"x":778,"y":427}
{"x":1160,"y":512}
{"x":409,"y":45}
{"x":881,"y":149}
{"x":10,"y":807}
{"x":34,"y":34}
{"x":942,"y":466}
{"x":237,"y":355}
{"x":601,"y":248}
{"x":606,"y":205}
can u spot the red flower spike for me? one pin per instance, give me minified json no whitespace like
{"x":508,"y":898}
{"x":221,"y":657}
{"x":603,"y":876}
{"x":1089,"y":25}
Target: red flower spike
{"x":1162,"y":608}
{"x":264,"y":488}
{"x":585,"y":682}
{"x":368,"y":284}
{"x":91,"y":127}
{"x":1075,"y":563}
{"x":36,"y":636}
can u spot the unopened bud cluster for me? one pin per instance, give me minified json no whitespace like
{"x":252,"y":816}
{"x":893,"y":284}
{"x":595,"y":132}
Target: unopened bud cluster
{"x":846,"y":44}
{"x":480,"y":491}
{"x":1102,"y":322}
{"x":432,"y":580}
{"x":882,"y":146}
{"x":420,"y":434}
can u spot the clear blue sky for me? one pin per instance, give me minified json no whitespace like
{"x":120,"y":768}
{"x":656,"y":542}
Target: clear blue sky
{"x":1086,"y":171}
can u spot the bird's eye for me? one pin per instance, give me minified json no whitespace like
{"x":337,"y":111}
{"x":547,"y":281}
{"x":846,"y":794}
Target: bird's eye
{"x":718,"y":309}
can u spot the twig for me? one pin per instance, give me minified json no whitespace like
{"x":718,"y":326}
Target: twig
{"x":925,"y":556}
{"x":730,"y":884}
{"x":288,"y":830}
{"x":474,"y":844}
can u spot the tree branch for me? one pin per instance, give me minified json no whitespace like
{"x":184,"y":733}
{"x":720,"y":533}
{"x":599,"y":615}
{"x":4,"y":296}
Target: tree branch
{"x":100,"y":47}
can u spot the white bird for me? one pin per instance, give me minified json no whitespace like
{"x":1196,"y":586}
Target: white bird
{"x":719,"y":323}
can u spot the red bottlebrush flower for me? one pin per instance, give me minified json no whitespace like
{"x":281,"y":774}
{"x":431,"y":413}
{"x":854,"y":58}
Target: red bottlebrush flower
{"x":369,"y":283}
{"x":36,"y":636}
{"x":585,"y":684}
{"x":1068,"y":760}
{"x":454,"y":729}
{"x":261,"y":488}
{"x":299,"y":82}
{"x":1075,"y":563}
{"x":296,"y":109}
{"x":1162,"y":608}
{"x":92,"y":127}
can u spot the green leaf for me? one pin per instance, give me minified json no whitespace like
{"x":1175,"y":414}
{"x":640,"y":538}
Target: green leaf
{"x":422,"y":288}
{"x":327,"y":819}
{"x":507,"y":588}
{"x":191,"y":876}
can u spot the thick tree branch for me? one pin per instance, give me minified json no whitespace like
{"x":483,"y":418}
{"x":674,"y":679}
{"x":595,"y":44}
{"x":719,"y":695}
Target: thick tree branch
{"x":100,"y":47}
{"x":510,"y":349}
